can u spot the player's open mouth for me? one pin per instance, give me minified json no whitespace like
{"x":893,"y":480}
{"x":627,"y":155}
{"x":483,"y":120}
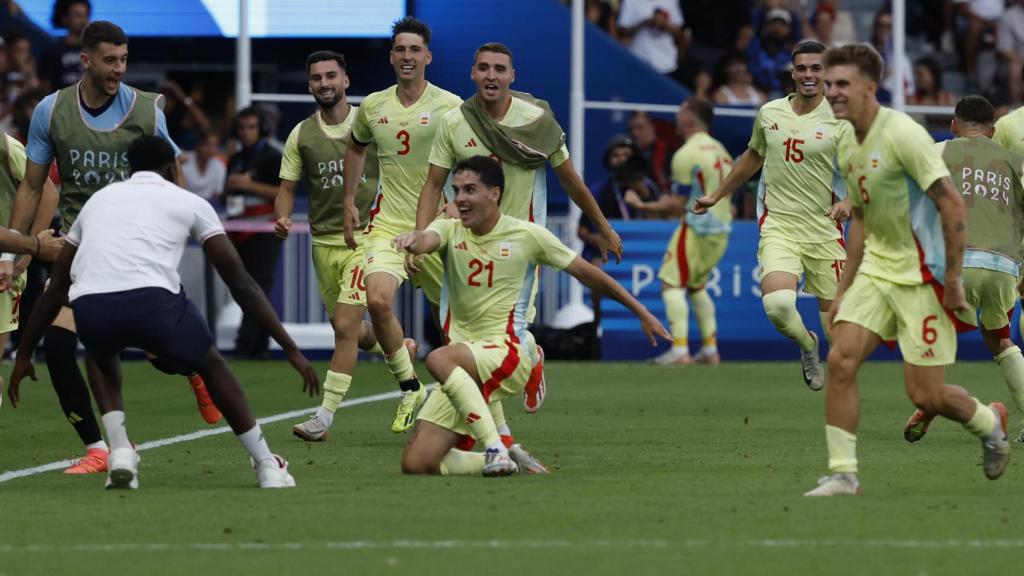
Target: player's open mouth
{"x":327,"y":93}
{"x":490,"y":89}
{"x":809,"y":84}
{"x":408,"y":67}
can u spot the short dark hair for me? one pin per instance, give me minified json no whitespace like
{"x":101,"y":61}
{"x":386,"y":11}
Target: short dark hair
{"x":496,"y":47}
{"x":60,"y":10}
{"x":324,"y":56}
{"x":702,"y":110}
{"x":150,"y":153}
{"x":410,"y":25}
{"x":102,"y":31}
{"x":863,"y":56}
{"x":976,"y":110}
{"x":807,"y":47}
{"x":486,"y":168}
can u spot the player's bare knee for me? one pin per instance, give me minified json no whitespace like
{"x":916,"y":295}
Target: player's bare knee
{"x":439,"y":363}
{"x":379,"y":306}
{"x":841,"y":365}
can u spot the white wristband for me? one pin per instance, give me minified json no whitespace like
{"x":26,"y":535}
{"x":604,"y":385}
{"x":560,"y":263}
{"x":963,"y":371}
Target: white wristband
{"x":7,"y":257}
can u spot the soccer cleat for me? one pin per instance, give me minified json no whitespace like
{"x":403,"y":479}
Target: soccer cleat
{"x":498,"y":463}
{"x":995,"y":448}
{"x":207,"y":409}
{"x":526,"y":462}
{"x":273,"y":473}
{"x":1020,"y":437}
{"x":917,"y":426}
{"x":124,"y":469}
{"x":95,"y":461}
{"x":312,"y":430}
{"x":673,"y":357}
{"x":814,"y":376}
{"x":536,"y":387}
{"x":838,"y":484}
{"x":711,"y":359}
{"x":408,"y":404}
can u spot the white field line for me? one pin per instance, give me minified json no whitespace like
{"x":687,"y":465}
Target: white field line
{"x":24,"y":472}
{"x":503,"y":544}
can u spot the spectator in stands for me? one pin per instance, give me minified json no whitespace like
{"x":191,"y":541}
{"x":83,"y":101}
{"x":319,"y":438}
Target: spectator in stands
{"x":602,"y":14}
{"x":735,"y":85}
{"x":928,"y":84}
{"x":843,"y":29}
{"x":823,"y":25}
{"x":21,"y":113}
{"x":881,"y":39}
{"x":249,"y":195}
{"x":716,"y":27}
{"x":701,"y":84}
{"x":185,"y":118}
{"x":1010,"y":44}
{"x":62,"y":62}
{"x":979,"y":19}
{"x":768,"y":54}
{"x":656,"y":151}
{"x":653,"y":30}
{"x":760,"y":17}
{"x":203,"y":170}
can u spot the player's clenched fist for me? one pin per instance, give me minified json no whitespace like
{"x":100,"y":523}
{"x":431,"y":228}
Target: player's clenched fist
{"x":282,"y":227}
{"x":701,"y":205}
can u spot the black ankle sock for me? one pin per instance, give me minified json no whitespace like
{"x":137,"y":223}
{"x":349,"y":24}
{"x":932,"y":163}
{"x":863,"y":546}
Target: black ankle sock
{"x":410,"y":385}
{"x":61,"y":346}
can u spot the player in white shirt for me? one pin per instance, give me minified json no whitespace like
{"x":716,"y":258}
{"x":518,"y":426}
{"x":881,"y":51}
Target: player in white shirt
{"x":122,"y":254}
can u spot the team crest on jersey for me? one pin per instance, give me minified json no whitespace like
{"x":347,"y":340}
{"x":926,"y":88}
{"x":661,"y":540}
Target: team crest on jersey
{"x":819,"y":133}
{"x":876,"y":160}
{"x":505,"y":250}
{"x":425,"y":119}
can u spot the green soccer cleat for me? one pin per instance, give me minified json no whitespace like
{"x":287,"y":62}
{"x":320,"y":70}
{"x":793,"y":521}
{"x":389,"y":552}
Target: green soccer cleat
{"x":408,"y":404}
{"x":917,"y":426}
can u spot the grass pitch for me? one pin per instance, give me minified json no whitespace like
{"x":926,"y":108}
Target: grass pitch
{"x":655,"y":471}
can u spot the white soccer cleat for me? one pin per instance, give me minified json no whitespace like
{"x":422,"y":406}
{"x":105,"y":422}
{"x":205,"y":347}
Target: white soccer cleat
{"x":273,"y":473}
{"x":312,"y":430}
{"x":673,"y":357}
{"x":123,"y":469}
{"x":838,"y":484}
{"x":814,"y":375}
{"x":498,"y":463}
{"x":995,"y":448}
{"x":526,"y":462}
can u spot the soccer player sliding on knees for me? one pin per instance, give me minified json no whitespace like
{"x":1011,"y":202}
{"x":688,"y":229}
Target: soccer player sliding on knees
{"x":486,"y":257}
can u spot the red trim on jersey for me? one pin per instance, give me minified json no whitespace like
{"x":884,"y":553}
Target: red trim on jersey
{"x":760,"y":221}
{"x":839,"y":225}
{"x":447,"y":326}
{"x":684,"y":266}
{"x":465,"y":443}
{"x":959,"y":324}
{"x":531,"y":209}
{"x":374,"y":211}
{"x":926,"y":273}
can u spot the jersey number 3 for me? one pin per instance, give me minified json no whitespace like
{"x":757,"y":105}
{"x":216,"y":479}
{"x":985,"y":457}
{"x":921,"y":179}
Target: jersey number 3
{"x":403,"y":139}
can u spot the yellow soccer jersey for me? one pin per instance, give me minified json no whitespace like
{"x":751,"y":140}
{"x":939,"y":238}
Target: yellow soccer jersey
{"x":800,"y":180}
{"x":526,"y":191}
{"x":701,"y":165}
{"x":404,"y":137}
{"x":15,"y":157}
{"x":485,"y":276}
{"x":1010,"y":131}
{"x":887,"y":175}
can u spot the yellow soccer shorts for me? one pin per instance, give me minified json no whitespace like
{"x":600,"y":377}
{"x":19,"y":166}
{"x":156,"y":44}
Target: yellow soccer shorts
{"x":10,"y":302}
{"x":503,"y":366}
{"x":430,"y":276}
{"x":912,"y":315}
{"x":820,"y":264}
{"x":991,"y":295}
{"x":339,"y":272}
{"x":690,"y":258}
{"x":379,"y":255}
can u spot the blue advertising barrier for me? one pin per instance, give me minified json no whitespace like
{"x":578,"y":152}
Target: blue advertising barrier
{"x":744,"y":332}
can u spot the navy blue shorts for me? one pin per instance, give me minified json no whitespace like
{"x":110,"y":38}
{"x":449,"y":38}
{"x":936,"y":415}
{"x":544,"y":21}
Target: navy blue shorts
{"x":153,"y":319}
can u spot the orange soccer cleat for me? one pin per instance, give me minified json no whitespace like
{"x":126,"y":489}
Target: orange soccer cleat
{"x":95,"y":461}
{"x":207,"y":409}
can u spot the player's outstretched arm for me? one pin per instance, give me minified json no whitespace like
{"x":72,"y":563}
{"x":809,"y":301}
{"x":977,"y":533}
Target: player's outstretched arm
{"x":284,"y":204}
{"x":854,"y":256}
{"x":581,"y":196}
{"x":26,"y":205}
{"x":43,"y":314}
{"x":355,"y":160}
{"x":250,"y":297}
{"x":743,"y":170}
{"x":597,"y":280}
{"x":417,"y":242}
{"x":954,"y":231}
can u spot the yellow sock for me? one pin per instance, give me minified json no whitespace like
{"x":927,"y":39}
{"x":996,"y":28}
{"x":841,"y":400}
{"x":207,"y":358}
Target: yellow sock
{"x":704,"y":311}
{"x":400,"y":364}
{"x":780,"y":306}
{"x":336,"y":385}
{"x":825,"y":326}
{"x":376,"y":349}
{"x":678,"y":314}
{"x":469,"y":402}
{"x":983,"y":422}
{"x":461,"y":463}
{"x":1011,"y":362}
{"x":842,"y":450}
